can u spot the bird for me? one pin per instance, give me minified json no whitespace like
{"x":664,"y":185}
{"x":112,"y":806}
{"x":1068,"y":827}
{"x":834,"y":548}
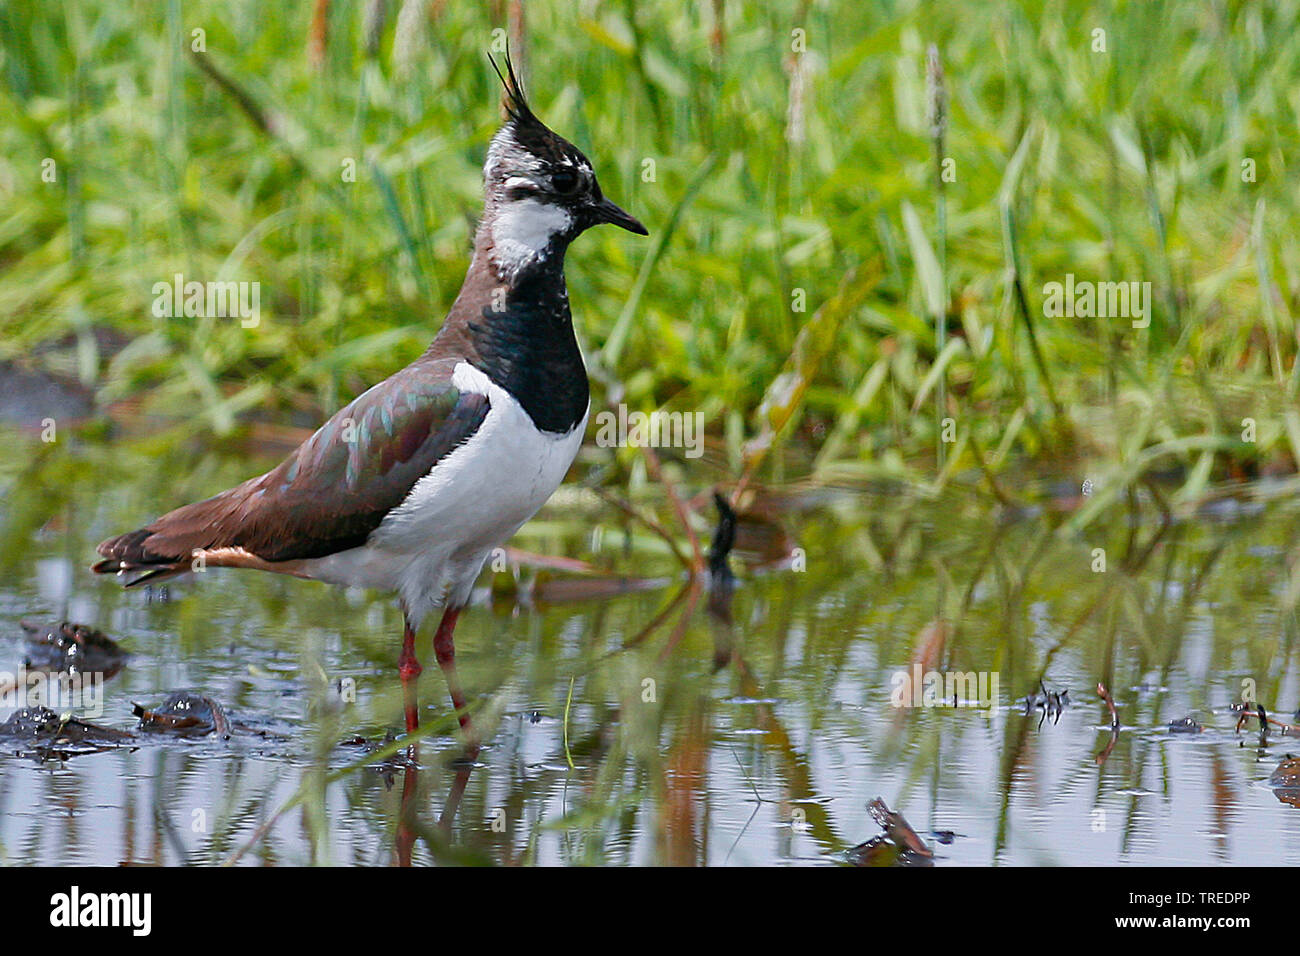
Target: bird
{"x":411,"y":486}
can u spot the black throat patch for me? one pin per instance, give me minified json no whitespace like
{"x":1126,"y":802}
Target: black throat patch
{"x":525,"y":344}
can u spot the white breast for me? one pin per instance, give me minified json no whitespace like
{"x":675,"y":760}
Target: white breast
{"x":472,"y":501}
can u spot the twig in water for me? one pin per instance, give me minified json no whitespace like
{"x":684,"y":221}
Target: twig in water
{"x":1287,"y":730}
{"x":758,"y":806}
{"x":1114,"y":723}
{"x":692,"y":599}
{"x":627,"y":508}
{"x":656,"y":472}
{"x":656,"y":622}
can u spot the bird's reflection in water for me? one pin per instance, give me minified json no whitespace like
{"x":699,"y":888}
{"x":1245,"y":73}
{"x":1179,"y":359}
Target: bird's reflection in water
{"x":720,"y":582}
{"x":408,"y":829}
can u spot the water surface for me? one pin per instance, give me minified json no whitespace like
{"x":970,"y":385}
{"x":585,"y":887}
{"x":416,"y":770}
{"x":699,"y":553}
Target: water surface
{"x":755,"y":732}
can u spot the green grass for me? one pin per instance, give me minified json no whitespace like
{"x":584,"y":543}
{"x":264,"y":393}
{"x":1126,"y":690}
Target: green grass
{"x":1124,"y":165}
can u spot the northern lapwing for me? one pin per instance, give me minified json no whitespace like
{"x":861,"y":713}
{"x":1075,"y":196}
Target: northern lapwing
{"x":411,"y":486}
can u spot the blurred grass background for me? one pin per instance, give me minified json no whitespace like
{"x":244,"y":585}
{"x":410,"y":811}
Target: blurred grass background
{"x":782,"y":154}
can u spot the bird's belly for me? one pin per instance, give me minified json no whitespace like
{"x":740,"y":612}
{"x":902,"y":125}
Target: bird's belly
{"x":470,"y":502}
{"x":479,"y":495}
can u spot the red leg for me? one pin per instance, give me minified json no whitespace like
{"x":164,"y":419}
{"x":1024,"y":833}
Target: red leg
{"x":445,"y":650}
{"x":409,"y":667}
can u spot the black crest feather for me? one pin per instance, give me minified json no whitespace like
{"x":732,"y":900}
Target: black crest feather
{"x":530,"y":132}
{"x":516,"y":104}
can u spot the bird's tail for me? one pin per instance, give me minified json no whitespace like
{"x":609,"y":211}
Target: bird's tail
{"x":129,"y":555}
{"x":167,"y":546}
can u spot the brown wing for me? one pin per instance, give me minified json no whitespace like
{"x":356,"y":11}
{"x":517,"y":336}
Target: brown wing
{"x":330,"y":493}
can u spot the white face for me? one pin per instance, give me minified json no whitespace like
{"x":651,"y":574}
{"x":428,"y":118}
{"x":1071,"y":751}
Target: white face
{"x":529,"y":201}
{"x":522,"y":230}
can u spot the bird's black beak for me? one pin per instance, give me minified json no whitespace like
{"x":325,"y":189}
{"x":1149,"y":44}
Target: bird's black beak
{"x":607,"y":211}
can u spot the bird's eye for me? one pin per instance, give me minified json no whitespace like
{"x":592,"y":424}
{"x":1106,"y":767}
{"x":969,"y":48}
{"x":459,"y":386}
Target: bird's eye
{"x":565,"y":181}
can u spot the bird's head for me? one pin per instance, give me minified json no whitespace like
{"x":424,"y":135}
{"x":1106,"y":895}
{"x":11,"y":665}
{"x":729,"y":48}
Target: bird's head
{"x":540,"y":190}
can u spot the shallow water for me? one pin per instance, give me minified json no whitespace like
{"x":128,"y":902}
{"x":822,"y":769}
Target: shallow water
{"x":755,"y":741}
